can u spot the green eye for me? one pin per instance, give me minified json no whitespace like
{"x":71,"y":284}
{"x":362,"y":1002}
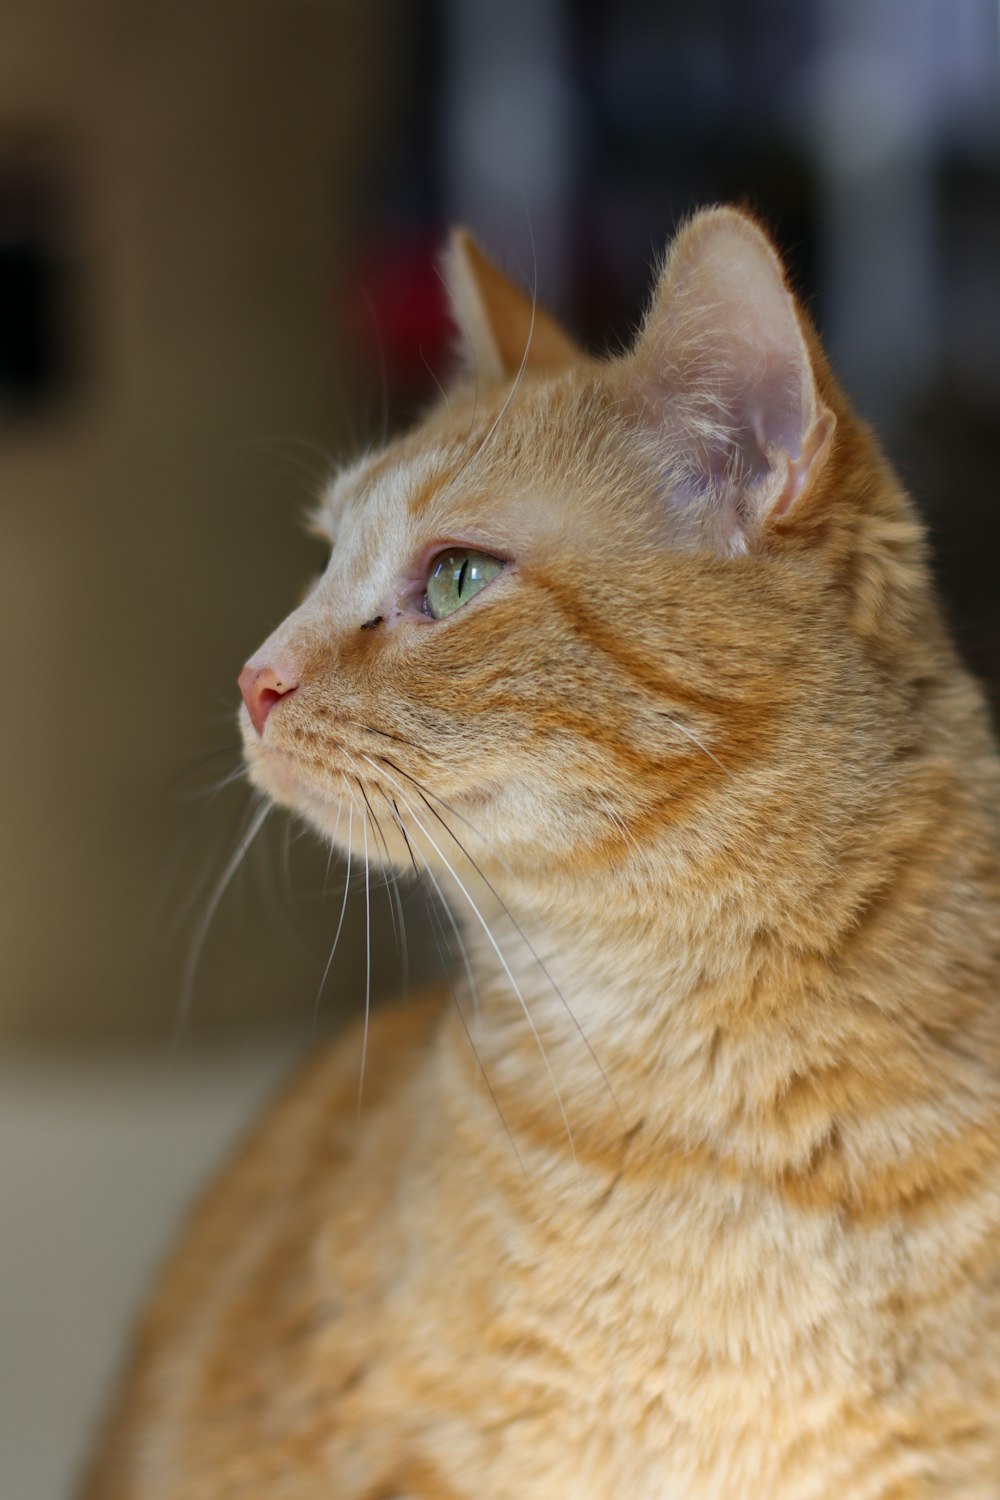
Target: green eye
{"x":455,"y":577}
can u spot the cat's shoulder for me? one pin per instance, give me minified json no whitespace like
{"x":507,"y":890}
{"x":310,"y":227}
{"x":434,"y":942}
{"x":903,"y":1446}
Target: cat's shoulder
{"x":317,"y":1112}
{"x":304,"y":1139}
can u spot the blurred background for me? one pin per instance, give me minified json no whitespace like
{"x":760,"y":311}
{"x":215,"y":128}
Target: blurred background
{"x":218,"y":229}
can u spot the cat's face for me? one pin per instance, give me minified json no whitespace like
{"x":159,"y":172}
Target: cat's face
{"x":555,"y":624}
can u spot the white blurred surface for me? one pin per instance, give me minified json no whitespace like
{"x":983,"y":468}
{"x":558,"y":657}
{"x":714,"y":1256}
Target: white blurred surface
{"x":98,"y":1161}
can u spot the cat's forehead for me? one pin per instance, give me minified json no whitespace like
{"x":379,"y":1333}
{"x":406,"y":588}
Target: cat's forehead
{"x":367,"y":516}
{"x":463,"y":458}
{"x":392,"y":495}
{"x":374,"y":483}
{"x":403,"y":478}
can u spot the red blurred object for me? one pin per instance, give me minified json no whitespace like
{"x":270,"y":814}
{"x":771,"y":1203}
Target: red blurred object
{"x":397,"y":310}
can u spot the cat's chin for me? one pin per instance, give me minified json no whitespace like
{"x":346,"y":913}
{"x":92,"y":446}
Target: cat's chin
{"x":285,"y":785}
{"x":277,"y":776}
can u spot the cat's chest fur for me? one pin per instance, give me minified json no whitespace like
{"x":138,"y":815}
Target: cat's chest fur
{"x":439,"y":1330}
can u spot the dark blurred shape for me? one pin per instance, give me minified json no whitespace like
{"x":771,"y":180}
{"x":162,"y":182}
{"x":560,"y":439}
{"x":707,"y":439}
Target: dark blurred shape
{"x":36,"y":318}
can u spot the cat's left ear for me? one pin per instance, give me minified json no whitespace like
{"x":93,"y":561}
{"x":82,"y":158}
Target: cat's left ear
{"x":726,"y":380}
{"x":500,"y":328}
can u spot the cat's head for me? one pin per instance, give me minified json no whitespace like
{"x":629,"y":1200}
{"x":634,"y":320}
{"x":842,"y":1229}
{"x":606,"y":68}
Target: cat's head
{"x":617,"y":618}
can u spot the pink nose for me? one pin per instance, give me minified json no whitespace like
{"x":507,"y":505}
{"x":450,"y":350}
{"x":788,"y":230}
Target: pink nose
{"x":262,"y":688}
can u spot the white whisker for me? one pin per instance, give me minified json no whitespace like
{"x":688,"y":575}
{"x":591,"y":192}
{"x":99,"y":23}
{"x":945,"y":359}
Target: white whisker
{"x":511,"y":393}
{"x":286,"y":863}
{"x":368,"y":969}
{"x":404,"y":951}
{"x":438,"y":940}
{"x":209,"y":793}
{"x":211,"y":907}
{"x":333,"y":846}
{"x":343,"y":909}
{"x":426,"y":792}
{"x":391,"y":885}
{"x":392,"y":894}
{"x":456,"y":929}
{"x":520,"y":932}
{"x":507,"y":971}
{"x":628,"y":837}
{"x":694,"y":738}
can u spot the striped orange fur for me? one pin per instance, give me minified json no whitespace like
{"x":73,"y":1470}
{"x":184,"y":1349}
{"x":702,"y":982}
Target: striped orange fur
{"x":692,"y":1189}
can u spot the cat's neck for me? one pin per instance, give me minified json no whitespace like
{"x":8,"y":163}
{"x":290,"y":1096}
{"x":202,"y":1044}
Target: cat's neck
{"x":714,"y":1033}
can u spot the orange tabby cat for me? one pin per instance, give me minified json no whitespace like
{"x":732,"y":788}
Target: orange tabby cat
{"x":694,"y":1192}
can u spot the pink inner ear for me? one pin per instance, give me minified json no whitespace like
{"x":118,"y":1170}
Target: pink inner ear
{"x":727,"y":375}
{"x":800,"y":466}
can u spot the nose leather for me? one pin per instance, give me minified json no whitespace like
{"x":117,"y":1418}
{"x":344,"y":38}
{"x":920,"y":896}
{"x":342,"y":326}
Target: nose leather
{"x":263,"y":687}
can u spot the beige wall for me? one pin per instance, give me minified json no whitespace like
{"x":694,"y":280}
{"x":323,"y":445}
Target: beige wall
{"x":150,"y":530}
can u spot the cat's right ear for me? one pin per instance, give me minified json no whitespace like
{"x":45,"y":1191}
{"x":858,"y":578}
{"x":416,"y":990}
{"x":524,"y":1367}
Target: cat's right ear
{"x":500,"y":328}
{"x":727,"y":382}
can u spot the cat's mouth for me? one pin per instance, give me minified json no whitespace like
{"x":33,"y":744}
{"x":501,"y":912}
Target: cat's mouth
{"x":336,"y":796}
{"x":321,"y":786}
